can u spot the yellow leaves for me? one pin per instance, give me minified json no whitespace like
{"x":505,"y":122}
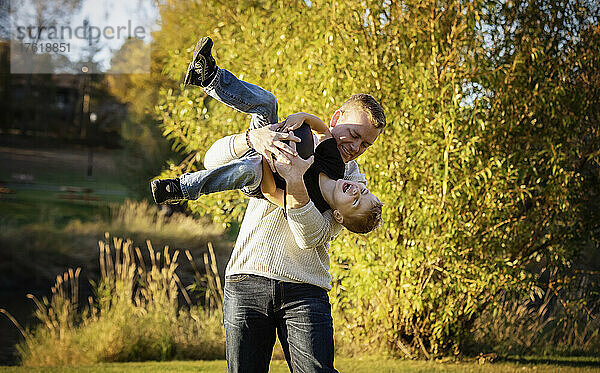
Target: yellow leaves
{"x":415,"y":167}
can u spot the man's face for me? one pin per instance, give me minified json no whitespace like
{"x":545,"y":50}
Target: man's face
{"x":353,"y":133}
{"x":351,"y":198}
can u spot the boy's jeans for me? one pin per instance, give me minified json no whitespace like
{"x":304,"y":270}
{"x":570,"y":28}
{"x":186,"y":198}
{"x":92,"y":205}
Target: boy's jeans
{"x":246,"y":172}
{"x":256,"y":308}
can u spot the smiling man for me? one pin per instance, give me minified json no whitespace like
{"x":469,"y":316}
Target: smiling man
{"x":356,"y":125}
{"x":277,"y":278}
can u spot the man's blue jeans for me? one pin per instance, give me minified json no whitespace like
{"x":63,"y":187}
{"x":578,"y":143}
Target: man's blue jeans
{"x":255,"y":308}
{"x":245,"y":172}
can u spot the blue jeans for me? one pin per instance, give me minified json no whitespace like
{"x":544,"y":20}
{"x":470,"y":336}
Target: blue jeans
{"x":244,"y":173}
{"x":256,"y":308}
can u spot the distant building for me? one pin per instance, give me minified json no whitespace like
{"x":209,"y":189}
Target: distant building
{"x":51,"y":106}
{"x":46,"y":106}
{"x":4,"y":21}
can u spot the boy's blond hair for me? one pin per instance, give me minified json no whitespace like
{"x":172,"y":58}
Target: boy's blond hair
{"x":365,"y":222}
{"x":368,"y":104}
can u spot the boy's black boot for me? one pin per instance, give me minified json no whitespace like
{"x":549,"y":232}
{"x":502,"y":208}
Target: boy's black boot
{"x":203,"y":67}
{"x":166,"y":191}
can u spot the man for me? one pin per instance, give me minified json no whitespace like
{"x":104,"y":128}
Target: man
{"x":278,"y":275}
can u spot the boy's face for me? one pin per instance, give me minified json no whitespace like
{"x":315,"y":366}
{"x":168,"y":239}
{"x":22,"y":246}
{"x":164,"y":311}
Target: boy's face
{"x":353,"y":133}
{"x":351,"y":198}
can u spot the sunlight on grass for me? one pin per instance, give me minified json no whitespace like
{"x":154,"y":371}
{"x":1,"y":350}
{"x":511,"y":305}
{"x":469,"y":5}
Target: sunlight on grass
{"x":145,"y":220}
{"x":342,"y":365}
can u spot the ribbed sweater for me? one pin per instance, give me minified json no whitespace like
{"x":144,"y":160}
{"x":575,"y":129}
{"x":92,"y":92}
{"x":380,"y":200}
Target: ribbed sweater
{"x":293,"y":249}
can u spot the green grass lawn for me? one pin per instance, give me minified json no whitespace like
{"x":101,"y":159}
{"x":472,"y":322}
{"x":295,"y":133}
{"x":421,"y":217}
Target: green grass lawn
{"x":27,"y":207}
{"x":40,"y":199}
{"x":345,"y":365}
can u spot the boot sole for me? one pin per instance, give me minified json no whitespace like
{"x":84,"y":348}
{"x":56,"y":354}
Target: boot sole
{"x":201,"y":44}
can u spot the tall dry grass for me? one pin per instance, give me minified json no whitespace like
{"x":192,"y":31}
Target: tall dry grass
{"x":33,"y":254}
{"x":542,"y":326}
{"x":141,"y":220}
{"x":134,"y":316}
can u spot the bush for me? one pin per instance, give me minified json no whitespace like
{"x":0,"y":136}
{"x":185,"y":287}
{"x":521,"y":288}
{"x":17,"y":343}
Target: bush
{"x":135,"y":315}
{"x":557,"y":322}
{"x":489,"y":163}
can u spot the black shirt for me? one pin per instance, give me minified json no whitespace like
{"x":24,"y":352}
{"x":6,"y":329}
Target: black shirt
{"x":328,"y":160}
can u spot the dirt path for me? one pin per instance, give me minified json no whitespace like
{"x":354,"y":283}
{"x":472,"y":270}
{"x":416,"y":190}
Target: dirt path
{"x":21,"y":160}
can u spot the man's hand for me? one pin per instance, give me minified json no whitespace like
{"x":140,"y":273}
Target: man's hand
{"x":267,"y":142}
{"x":293,"y":170}
{"x":293,"y":173}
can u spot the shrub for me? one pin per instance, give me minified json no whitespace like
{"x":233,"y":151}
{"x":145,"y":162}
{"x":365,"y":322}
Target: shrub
{"x":558,"y":321}
{"x":489,"y":162}
{"x":134,"y":316}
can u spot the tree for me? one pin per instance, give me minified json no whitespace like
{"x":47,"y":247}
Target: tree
{"x":476,"y":168}
{"x":140,"y":132}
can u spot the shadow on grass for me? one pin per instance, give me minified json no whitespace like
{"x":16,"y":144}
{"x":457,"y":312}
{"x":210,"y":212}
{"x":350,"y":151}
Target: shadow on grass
{"x":566,"y":361}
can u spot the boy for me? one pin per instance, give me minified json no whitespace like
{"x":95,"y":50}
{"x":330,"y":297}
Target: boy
{"x":353,"y":206}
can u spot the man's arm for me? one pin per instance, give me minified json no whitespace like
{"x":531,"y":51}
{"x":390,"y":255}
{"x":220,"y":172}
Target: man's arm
{"x":293,"y":173}
{"x":309,"y":227}
{"x":265,"y":140}
{"x":268,"y":187}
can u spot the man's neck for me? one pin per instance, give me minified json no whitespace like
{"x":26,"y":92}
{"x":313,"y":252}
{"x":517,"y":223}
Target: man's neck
{"x":327,"y":187}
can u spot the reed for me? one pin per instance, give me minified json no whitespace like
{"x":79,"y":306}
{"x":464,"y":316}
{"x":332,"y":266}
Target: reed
{"x":135,"y":314}
{"x":541,"y":326}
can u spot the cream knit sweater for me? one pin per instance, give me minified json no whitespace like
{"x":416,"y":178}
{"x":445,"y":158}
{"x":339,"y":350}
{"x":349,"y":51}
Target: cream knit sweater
{"x":293,"y":249}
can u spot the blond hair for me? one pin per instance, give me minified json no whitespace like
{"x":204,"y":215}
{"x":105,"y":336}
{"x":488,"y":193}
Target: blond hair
{"x":368,"y":104}
{"x":365,"y":222}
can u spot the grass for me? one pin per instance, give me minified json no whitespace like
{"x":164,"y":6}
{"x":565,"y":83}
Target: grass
{"x":45,"y":172}
{"x":342,"y":364}
{"x":62,"y":165}
{"x":33,"y":207}
{"x":134,"y":316}
{"x":41,"y":234}
{"x":62,"y":236}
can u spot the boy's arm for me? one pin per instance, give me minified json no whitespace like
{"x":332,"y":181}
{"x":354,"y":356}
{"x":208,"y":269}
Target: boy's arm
{"x":315,"y":123}
{"x":268,"y":187}
{"x":309,"y":227}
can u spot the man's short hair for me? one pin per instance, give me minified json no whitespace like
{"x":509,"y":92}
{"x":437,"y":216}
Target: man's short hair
{"x":368,"y":104}
{"x":366,"y":222}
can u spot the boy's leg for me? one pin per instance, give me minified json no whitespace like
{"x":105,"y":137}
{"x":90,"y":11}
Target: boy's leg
{"x":240,"y":173}
{"x":245,"y":97}
{"x":228,"y":89}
